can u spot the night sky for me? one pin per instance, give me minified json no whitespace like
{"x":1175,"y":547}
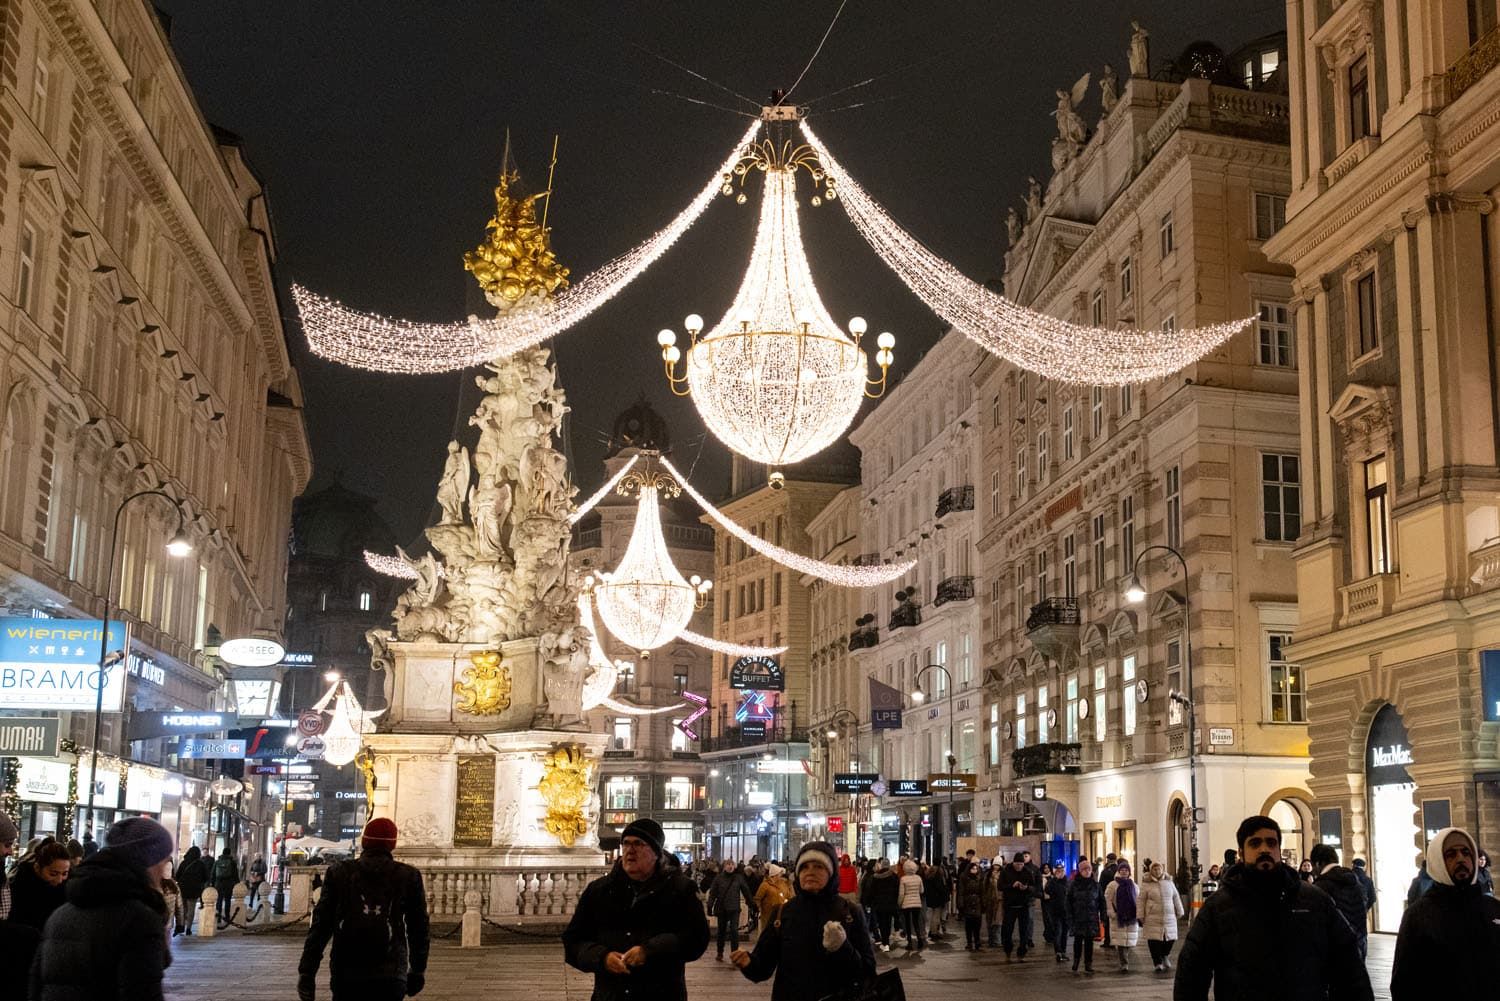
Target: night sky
{"x":378,"y":127}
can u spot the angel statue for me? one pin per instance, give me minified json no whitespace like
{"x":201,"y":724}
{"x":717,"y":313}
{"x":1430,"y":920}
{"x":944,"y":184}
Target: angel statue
{"x":454,"y":484}
{"x":1109,"y":93}
{"x":1013,"y":226}
{"x":1033,"y":198}
{"x":1070,"y":127}
{"x":1140,"y":58}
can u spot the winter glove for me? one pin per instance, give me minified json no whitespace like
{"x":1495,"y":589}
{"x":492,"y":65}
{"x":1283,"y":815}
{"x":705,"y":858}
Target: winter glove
{"x":414,"y":984}
{"x":306,"y":988}
{"x":834,"y":936}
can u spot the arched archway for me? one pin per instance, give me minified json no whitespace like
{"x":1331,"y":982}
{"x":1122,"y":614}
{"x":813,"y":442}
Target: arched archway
{"x":1179,"y":835}
{"x":1292,"y":811}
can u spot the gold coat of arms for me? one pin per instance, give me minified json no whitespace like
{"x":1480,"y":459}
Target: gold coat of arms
{"x":485,"y":689}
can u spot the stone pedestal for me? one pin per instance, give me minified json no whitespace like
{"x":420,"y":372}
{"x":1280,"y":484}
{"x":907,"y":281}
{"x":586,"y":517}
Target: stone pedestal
{"x":208,"y":924}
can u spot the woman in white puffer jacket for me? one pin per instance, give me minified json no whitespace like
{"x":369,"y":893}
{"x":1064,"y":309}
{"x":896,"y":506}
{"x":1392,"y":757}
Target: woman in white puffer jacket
{"x":912,"y":906}
{"x":1161,"y":906}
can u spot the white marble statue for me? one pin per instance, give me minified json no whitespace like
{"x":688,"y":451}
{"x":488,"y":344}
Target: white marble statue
{"x":1070,"y":127}
{"x":1013,"y":226}
{"x":1109,"y":94}
{"x":1140,"y":54}
{"x":453,"y":488}
{"x":1033,"y":198}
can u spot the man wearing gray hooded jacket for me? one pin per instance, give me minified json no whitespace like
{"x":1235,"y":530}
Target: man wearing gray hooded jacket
{"x":1450,"y":933}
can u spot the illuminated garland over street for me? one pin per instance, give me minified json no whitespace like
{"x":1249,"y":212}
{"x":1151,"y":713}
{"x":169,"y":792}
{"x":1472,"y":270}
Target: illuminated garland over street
{"x":843,"y":576}
{"x":385,"y":344}
{"x":1053,"y":348}
{"x":601,"y":493}
{"x":730,"y":649}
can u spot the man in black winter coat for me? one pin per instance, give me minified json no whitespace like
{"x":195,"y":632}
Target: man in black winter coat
{"x":1267,"y":934}
{"x":1450,"y":937}
{"x":375,"y":911}
{"x":637,"y":928}
{"x":110,"y":939}
{"x":1343,"y":886}
{"x":192,"y":877}
{"x":818,"y":947}
{"x":1017,"y":890}
{"x":724,"y":895}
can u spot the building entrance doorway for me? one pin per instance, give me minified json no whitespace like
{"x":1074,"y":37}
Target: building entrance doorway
{"x":1393,"y":825}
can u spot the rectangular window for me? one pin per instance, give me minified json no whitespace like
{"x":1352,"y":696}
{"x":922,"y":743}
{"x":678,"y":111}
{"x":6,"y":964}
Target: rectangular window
{"x":1273,"y":333}
{"x":1020,"y":721}
{"x":1043,"y":732}
{"x":1127,"y":534}
{"x":1359,"y":98}
{"x":364,"y":601}
{"x":1281,"y":497}
{"x":1174,"y":506}
{"x":619,"y":794}
{"x":1020,"y":470}
{"x":1127,"y":693}
{"x":78,"y":556}
{"x":1096,"y":413}
{"x":1169,"y":324}
{"x":1067,"y":433}
{"x":994,"y":734}
{"x":624,"y":733}
{"x":1070,"y":567}
{"x":1070,"y":733}
{"x":1174,"y":681}
{"x":1377,"y":516}
{"x":994,"y":494}
{"x":1096,"y":308}
{"x":1097,"y":527}
{"x":1288,"y":701}
{"x":679,"y":681}
{"x":40,"y":80}
{"x":1043,"y":455}
{"x":1168,"y":238}
{"x":26,"y":276}
{"x":995,"y":411}
{"x":1043,"y":561}
{"x":1023,"y":395}
{"x":677,"y":791}
{"x":1127,"y":279}
{"x":1270,"y":214}
{"x":965,"y":660}
{"x":1365,"y":312}
{"x":1127,"y":401}
{"x":1101,"y":725}
{"x":1020,"y":595}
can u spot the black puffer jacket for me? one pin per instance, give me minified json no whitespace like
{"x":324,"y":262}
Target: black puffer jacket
{"x":1083,"y":901}
{"x":726,"y":892}
{"x":881,"y":892}
{"x":374,"y":878}
{"x":936,"y":889}
{"x":32,"y":898}
{"x":108,"y":941}
{"x":192,"y":874}
{"x":1343,"y":886}
{"x":792,"y":949}
{"x":1447,"y":946}
{"x":1017,"y":888}
{"x":616,"y":913}
{"x":971,"y":894}
{"x":1270,"y":936}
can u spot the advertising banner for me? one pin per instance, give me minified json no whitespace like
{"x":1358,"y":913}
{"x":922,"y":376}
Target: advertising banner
{"x":28,"y":738}
{"x":210,"y":747}
{"x":147,"y":724}
{"x":143,"y":788}
{"x":54,"y":664}
{"x":43,"y":781}
{"x":885,"y":706}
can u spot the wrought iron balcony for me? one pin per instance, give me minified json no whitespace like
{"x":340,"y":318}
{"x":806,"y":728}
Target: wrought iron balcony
{"x":954,"y":589}
{"x":864,"y":637}
{"x":1046,"y":759}
{"x":909,"y":614}
{"x":955,"y":499}
{"x":1053,"y":627}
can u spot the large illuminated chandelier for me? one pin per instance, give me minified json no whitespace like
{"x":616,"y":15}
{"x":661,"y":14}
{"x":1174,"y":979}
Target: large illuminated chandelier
{"x":347,"y":724}
{"x":646,"y":602}
{"x":776,"y":379}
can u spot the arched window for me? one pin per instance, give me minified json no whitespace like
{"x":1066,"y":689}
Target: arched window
{"x":364,"y":601}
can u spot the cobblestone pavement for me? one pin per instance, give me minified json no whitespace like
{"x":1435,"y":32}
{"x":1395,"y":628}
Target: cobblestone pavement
{"x":237,"y":967}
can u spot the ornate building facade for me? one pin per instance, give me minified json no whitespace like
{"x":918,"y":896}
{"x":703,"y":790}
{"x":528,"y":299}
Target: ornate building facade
{"x":919,"y":451}
{"x":1156,"y":221}
{"x":143,"y":350}
{"x":1391,"y":227}
{"x":651,"y":767}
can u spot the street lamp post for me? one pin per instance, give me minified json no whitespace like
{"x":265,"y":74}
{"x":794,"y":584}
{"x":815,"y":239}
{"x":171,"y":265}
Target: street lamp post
{"x":1135,"y":594}
{"x":178,"y":546}
{"x":918,"y":696}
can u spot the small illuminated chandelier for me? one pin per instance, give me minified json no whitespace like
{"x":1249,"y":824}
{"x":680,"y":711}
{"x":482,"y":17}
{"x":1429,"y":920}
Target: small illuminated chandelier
{"x":646,"y":602}
{"x":776,"y":380}
{"x":347,"y":724}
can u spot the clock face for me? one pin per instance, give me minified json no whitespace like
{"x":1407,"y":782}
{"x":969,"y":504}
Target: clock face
{"x":1051,"y":717}
{"x":1083,"y":708}
{"x":1007,"y":729}
{"x":1142,"y":691}
{"x":877,"y":787}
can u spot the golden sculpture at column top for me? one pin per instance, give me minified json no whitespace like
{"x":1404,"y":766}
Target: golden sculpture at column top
{"x":516,"y":260}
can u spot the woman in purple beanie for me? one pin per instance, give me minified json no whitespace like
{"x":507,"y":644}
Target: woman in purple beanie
{"x":109,"y":940}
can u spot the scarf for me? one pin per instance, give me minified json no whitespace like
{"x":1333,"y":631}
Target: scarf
{"x":1125,"y":901}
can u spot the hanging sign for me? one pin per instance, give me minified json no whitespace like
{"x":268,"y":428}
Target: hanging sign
{"x":251,"y":651}
{"x":885,"y":706}
{"x":28,"y":738}
{"x":54,"y":664}
{"x":761,"y":674}
{"x":835,"y":825}
{"x":908,"y":787}
{"x":310,"y":723}
{"x":311,"y":748}
{"x":155,"y":723}
{"x":209,"y":747}
{"x":854,"y":783}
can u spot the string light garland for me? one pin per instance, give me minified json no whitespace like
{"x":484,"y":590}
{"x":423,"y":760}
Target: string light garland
{"x":842,"y":576}
{"x":730,"y":649}
{"x":599,"y":684}
{"x":776,"y":380}
{"x":602,"y":492}
{"x":394,"y":566}
{"x":387,"y":344}
{"x":1051,"y":347}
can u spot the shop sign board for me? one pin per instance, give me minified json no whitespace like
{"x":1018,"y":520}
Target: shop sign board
{"x":1331,"y":826}
{"x":197,"y":748}
{"x":28,"y":738}
{"x":760,"y":674}
{"x":251,"y":651}
{"x":1387,"y":751}
{"x":835,"y":825}
{"x":958,"y":782}
{"x":908,"y":787}
{"x":156,"y":723}
{"x":143,"y":788}
{"x":43,"y":781}
{"x":54,"y":664}
{"x":106,"y":782}
{"x":854,"y":783}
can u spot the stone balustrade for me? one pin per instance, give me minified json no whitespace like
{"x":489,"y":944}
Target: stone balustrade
{"x":508,"y":892}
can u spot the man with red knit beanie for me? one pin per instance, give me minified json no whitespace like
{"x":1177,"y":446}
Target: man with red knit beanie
{"x":375,"y":911}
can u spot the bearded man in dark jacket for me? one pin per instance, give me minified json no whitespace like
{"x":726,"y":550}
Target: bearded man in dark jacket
{"x":819,"y":947}
{"x":637,"y":928}
{"x":1450,"y":937}
{"x":1267,"y":934}
{"x":1344,"y":887}
{"x":375,"y":911}
{"x":110,"y":939}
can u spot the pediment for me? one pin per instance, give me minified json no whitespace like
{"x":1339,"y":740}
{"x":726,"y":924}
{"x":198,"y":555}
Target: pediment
{"x":1363,"y":414}
{"x":1358,"y":398}
{"x":1055,"y":242}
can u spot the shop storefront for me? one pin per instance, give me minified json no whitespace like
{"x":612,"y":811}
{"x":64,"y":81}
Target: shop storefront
{"x":1392,"y":805}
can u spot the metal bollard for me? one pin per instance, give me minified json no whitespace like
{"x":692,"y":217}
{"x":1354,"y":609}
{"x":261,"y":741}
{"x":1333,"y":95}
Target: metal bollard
{"x":472,"y":921}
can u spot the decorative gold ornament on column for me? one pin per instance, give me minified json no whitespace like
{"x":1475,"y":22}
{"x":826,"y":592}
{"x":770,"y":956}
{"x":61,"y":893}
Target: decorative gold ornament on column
{"x":566,"y":785}
{"x":485,"y":690}
{"x":365,"y":762}
{"x":516,"y":260}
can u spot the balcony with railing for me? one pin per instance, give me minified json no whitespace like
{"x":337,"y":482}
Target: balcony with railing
{"x":955,"y":499}
{"x":865,"y":635}
{"x":1046,"y":759}
{"x":1053,"y":626}
{"x":734,"y":737}
{"x":908,"y":614}
{"x":954,"y":589}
